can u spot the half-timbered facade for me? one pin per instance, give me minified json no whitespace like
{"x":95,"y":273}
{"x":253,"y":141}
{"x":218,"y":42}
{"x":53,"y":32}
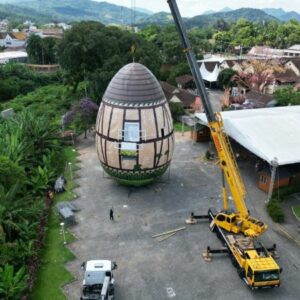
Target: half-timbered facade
{"x":134,"y":131}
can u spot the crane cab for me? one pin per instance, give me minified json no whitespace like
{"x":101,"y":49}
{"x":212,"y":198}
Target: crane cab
{"x":230,"y":222}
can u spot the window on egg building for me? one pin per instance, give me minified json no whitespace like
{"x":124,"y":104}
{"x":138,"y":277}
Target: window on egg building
{"x":131,"y":132}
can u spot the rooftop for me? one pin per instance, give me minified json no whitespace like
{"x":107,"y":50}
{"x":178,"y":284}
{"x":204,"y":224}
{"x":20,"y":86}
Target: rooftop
{"x":12,"y":54}
{"x":184,"y":79}
{"x":134,"y":83}
{"x":266,"y":132}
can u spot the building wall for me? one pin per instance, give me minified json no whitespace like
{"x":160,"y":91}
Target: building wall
{"x":265,"y":179}
{"x":155,"y":144}
{"x":292,"y":67}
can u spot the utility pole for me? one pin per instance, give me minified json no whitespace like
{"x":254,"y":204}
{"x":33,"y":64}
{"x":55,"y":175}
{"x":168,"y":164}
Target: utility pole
{"x":274,"y":165}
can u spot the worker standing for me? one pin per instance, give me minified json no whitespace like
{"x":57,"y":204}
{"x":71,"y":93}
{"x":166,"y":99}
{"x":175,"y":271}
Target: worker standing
{"x":111,"y":214}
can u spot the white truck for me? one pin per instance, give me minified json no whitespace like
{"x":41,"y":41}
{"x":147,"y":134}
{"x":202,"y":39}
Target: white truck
{"x":98,"y":282}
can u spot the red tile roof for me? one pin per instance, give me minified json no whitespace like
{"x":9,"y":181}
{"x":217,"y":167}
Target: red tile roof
{"x":184,"y":79}
{"x":184,"y":96}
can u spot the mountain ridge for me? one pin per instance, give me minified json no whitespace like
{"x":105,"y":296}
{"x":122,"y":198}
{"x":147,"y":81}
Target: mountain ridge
{"x":108,"y":13}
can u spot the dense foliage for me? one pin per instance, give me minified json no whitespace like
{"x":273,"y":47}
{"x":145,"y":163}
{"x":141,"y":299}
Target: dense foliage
{"x":223,"y":37}
{"x":94,"y":52}
{"x":51,"y":101}
{"x":225,"y":78}
{"x":247,"y":34}
{"x":17,"y":79}
{"x":29,"y":162}
{"x":41,"y":50}
{"x":287,"y":96}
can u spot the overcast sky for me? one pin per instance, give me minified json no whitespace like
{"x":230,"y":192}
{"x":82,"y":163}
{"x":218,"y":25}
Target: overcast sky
{"x":190,"y":8}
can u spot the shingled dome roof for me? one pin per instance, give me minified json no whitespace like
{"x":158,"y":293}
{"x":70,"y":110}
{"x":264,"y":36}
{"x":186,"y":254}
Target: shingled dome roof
{"x":134,"y":83}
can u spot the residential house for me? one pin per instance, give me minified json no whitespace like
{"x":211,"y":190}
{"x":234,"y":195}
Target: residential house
{"x":64,"y":26}
{"x":177,"y":95}
{"x":255,"y":99}
{"x":235,"y":64}
{"x":52,"y":32}
{"x":3,"y":25}
{"x":263,"y":52}
{"x":293,"y":51}
{"x":294,"y":65}
{"x":13,"y":39}
{"x":286,"y":78}
{"x":288,"y":175}
{"x":185,"y":82}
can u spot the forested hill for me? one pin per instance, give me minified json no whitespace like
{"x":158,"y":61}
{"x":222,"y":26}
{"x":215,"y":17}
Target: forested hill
{"x":107,"y":13}
{"x":73,"y":10}
{"x":20,"y":14}
{"x":251,"y":14}
{"x":282,"y":15}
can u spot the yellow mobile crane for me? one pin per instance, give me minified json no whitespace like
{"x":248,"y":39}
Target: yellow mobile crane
{"x":237,"y":230}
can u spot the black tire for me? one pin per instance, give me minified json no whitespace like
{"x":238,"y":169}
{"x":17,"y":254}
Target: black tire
{"x":233,"y":260}
{"x":241,"y":272}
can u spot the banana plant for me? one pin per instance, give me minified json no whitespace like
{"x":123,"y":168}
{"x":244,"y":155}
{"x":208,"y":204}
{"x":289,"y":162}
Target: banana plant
{"x":12,"y":283}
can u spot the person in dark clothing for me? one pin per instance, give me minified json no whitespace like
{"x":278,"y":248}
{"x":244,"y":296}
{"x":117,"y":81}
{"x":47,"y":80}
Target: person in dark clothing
{"x":111,"y":214}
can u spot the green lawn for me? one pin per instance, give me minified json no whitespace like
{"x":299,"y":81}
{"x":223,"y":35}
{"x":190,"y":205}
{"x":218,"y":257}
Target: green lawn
{"x":52,"y":274}
{"x":178,"y":127}
{"x":296,"y":209}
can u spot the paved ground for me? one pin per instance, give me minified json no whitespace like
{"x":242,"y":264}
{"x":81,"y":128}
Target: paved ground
{"x":173,"y":268}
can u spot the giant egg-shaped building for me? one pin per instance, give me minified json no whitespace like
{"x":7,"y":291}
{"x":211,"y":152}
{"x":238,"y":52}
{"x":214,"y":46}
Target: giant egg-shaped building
{"x":134,"y":131}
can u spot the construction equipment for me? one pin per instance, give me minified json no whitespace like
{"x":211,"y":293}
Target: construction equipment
{"x":98,"y":282}
{"x":236,"y":229}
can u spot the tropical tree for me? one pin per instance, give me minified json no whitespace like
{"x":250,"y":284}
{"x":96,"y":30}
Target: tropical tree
{"x":225,"y":78}
{"x":41,"y":50}
{"x":11,"y":172}
{"x":258,"y":74}
{"x":90,"y":47}
{"x":82,"y":115}
{"x":287,"y":96}
{"x":12,"y":283}
{"x":177,"y":70}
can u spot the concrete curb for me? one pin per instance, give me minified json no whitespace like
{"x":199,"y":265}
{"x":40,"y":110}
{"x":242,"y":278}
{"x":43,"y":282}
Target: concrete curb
{"x":283,"y":230}
{"x":295,"y":214}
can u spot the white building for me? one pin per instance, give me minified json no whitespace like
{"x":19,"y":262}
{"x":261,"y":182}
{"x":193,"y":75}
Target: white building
{"x":13,"y":56}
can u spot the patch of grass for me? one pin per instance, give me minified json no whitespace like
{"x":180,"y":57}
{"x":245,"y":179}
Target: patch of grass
{"x":178,"y":127}
{"x":52,"y":273}
{"x":296,"y":209}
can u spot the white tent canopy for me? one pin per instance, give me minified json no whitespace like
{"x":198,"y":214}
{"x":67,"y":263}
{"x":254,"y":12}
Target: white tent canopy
{"x":209,"y":76}
{"x":267,"y":132}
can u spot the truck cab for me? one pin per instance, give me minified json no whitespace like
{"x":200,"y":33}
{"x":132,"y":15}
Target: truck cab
{"x":261,"y":272}
{"x":98,"y":282}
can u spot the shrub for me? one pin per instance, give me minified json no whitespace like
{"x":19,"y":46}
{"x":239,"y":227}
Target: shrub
{"x":207,"y":154}
{"x":176,"y":109}
{"x":275,"y":210}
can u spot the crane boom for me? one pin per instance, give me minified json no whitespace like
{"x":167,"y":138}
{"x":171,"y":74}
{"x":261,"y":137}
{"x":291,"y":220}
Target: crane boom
{"x":228,"y":165}
{"x":192,"y":60}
